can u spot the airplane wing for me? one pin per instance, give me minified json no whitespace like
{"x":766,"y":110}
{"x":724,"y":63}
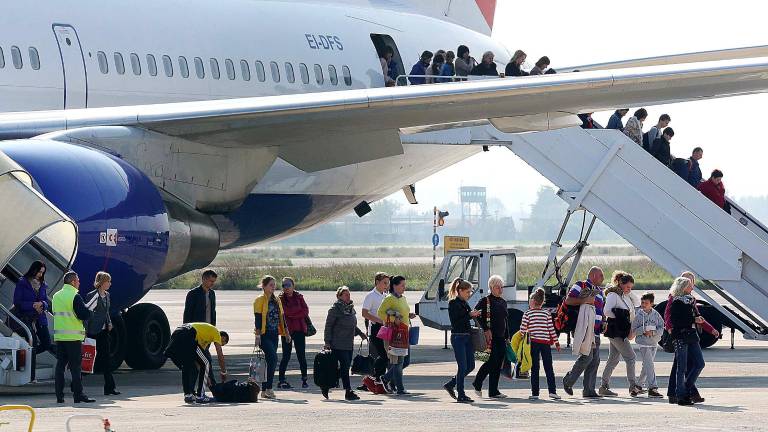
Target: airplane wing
{"x":323,"y":130}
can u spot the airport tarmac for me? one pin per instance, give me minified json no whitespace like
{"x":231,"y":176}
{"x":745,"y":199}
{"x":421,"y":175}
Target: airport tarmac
{"x":734,"y":382}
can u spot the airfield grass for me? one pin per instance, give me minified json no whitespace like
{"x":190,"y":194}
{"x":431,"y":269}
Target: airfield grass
{"x":239,"y":273}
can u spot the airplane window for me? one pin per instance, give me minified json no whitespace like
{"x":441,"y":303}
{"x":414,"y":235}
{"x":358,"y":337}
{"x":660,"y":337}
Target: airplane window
{"x":168,"y":66}
{"x":34,"y":58}
{"x":135,"y":64}
{"x":16,"y":57}
{"x":215,"y":73}
{"x":199,"y":68}
{"x":304,"y":73}
{"x":319,"y":74}
{"x":103,"y":63}
{"x":347,"y":75}
{"x":2,"y":58}
{"x":260,"y":71}
{"x":275,"y":71}
{"x":183,"y":67}
{"x":119,"y":64}
{"x":151,"y":65}
{"x":289,"y":72}
{"x":245,"y":70}
{"x":230,"y":68}
{"x":332,"y":75}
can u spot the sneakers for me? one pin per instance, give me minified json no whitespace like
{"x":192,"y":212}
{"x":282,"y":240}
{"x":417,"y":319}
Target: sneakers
{"x":533,"y":397}
{"x":654,"y":393}
{"x":402,"y":392}
{"x":464,"y":399}
{"x":605,"y":391}
{"x":498,"y":396}
{"x":284,"y":385}
{"x":478,"y":390}
{"x":450,"y":390}
{"x":351,"y":396}
{"x":268,"y":394}
{"x":188,"y":398}
{"x":389,"y":386}
{"x":635,"y":390}
{"x":203,"y":400}
{"x":554,"y":396}
{"x":568,"y":388}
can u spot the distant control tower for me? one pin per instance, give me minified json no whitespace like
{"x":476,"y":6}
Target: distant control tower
{"x":474,"y":207}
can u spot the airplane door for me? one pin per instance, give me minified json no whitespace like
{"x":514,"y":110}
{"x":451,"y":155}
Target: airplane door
{"x":72,"y":66}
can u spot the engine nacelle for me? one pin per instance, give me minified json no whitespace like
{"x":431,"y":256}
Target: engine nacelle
{"x":127,"y":227}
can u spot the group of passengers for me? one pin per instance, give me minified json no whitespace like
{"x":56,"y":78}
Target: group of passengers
{"x":614,"y":312}
{"x":446,"y":66}
{"x":656,"y":141}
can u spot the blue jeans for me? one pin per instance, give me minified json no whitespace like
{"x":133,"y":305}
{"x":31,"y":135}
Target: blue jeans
{"x":545,"y":352}
{"x":689,"y":363}
{"x":464,"y":352}
{"x":395,"y":373}
{"x":344,"y":357}
{"x":269,"y":346}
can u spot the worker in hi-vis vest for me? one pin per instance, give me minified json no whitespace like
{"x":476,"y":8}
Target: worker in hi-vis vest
{"x":69,"y":312}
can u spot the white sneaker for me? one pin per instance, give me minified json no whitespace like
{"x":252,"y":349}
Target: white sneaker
{"x":479,"y":393}
{"x":532,"y":397}
{"x":267,"y":394}
{"x":554,"y":396}
{"x":499,"y":396}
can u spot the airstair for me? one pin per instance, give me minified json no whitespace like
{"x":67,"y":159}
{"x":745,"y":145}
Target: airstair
{"x":612,"y":177}
{"x":31,"y":229}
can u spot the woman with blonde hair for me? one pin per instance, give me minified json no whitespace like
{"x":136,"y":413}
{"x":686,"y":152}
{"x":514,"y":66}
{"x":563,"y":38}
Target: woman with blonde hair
{"x":269,"y":323}
{"x":619,"y":311}
{"x":99,"y":326}
{"x":514,"y":67}
{"x":461,"y":316}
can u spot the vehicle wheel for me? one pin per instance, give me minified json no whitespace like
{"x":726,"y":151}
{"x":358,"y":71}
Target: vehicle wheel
{"x":148,"y":336}
{"x":117,"y":344}
{"x":514,"y":318}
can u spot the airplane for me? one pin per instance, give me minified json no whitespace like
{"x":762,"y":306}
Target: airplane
{"x":169,"y":130}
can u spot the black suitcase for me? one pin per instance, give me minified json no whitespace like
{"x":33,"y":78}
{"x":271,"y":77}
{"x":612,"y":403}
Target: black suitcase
{"x":234,"y":391}
{"x":326,"y":370}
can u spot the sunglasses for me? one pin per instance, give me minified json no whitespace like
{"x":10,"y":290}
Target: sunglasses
{"x":287,"y":285}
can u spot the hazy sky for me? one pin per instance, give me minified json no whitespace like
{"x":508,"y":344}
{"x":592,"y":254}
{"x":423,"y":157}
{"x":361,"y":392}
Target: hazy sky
{"x":731,"y":131}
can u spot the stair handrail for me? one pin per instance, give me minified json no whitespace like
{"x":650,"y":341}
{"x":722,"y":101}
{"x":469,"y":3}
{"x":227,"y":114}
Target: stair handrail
{"x":19,"y":322}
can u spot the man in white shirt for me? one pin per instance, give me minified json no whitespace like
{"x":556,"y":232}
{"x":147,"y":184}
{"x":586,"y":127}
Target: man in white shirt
{"x":370,"y":307}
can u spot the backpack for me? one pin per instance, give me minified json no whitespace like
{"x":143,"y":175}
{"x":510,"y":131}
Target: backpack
{"x":566,"y":317}
{"x":646,"y":142}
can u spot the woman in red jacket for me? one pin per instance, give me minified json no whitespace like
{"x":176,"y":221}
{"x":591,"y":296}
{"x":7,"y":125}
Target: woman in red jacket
{"x":714,"y":189}
{"x":296,"y":314}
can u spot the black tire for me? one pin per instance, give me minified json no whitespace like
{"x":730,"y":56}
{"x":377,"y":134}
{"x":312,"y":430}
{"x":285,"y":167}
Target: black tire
{"x":514,"y":318}
{"x":148,"y":336}
{"x":712,"y":315}
{"x":117,"y":344}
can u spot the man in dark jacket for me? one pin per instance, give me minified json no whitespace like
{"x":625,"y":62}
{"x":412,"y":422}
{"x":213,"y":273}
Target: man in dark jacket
{"x":420,"y":68}
{"x":661,"y":149}
{"x":200,"y":305}
{"x":694,"y":174}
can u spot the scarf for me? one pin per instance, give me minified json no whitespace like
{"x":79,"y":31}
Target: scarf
{"x":686,"y":298}
{"x":344,"y":308}
{"x":35,"y":285}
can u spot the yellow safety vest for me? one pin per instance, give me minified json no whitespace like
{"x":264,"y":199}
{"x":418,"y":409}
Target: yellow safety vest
{"x":66,"y":325}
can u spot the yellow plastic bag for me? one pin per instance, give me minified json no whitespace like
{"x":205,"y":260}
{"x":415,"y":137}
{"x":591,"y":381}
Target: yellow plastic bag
{"x":522,"y":346}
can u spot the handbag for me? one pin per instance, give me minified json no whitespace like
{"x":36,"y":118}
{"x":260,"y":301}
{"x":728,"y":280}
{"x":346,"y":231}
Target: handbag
{"x":413,"y":335}
{"x":667,"y":343}
{"x":257,"y":369}
{"x":478,"y":338}
{"x":385,"y":332}
{"x":362,"y":365}
{"x":311,"y":330}
{"x":399,"y":338}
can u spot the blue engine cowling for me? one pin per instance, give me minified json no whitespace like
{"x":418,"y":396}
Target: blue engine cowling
{"x":157,"y":237}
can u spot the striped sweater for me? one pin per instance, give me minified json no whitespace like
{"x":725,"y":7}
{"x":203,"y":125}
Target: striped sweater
{"x":538,"y":323}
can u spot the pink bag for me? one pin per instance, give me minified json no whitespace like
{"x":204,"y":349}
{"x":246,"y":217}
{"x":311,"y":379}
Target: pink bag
{"x":385,"y":333}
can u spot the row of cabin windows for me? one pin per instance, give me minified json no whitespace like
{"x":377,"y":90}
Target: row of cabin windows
{"x":17,"y":58}
{"x":229,"y":69}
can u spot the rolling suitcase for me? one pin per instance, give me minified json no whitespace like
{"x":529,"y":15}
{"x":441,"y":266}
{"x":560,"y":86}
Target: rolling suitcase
{"x":326,"y":370}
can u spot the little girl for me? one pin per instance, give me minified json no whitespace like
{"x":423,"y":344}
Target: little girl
{"x":537,"y":324}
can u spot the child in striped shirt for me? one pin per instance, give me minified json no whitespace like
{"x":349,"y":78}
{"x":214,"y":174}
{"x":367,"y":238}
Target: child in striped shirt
{"x":537,"y":324}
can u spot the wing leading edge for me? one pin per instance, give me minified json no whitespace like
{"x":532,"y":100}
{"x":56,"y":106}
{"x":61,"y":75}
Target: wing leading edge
{"x":325,"y":130}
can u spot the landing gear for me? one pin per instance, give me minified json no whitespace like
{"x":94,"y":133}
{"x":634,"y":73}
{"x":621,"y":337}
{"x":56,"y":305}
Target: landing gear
{"x":148,"y":334}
